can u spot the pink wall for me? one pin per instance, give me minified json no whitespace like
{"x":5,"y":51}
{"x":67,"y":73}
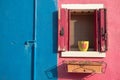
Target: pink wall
{"x":113,"y":55}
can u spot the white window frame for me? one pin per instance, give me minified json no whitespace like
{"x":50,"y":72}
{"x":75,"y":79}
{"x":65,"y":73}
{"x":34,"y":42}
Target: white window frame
{"x":82,"y":6}
{"x":79,"y":53}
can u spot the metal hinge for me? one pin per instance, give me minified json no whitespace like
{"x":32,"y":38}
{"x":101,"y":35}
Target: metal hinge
{"x":62,"y":32}
{"x":29,"y":42}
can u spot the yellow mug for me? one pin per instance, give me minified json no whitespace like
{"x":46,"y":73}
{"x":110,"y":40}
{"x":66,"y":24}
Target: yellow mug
{"x":83,"y":45}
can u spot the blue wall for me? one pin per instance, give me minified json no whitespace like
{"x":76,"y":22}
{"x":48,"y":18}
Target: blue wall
{"x":16,"y":27}
{"x":47,"y":40}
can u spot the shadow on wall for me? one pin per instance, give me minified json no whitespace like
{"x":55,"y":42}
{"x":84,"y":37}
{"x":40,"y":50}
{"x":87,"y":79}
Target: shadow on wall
{"x":55,"y":31}
{"x":75,"y":76}
{"x":51,"y":73}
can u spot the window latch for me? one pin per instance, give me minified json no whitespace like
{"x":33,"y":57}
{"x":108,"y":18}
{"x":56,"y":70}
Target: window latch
{"x":62,"y":32}
{"x":104,"y":34}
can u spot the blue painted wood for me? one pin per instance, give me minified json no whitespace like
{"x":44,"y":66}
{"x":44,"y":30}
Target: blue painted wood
{"x":16,"y":27}
{"x":46,"y":57}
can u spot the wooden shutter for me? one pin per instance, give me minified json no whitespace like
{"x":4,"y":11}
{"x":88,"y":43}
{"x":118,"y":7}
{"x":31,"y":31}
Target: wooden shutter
{"x":102,"y":30}
{"x":63,"y":30}
{"x":96,"y":30}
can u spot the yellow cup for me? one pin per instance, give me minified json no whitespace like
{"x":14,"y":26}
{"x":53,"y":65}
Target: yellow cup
{"x":83,"y":45}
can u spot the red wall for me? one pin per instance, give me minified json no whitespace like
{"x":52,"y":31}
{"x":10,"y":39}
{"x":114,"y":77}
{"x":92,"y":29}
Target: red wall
{"x":113,"y":55}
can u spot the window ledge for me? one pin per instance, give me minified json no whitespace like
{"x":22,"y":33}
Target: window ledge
{"x":82,"y":54}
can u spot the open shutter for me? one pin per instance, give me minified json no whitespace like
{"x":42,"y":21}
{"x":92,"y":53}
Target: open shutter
{"x":96,"y":30}
{"x":63,"y":30}
{"x":103,"y":30}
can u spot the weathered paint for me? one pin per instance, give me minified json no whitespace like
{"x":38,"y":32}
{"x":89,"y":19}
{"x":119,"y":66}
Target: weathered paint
{"x":63,"y":30}
{"x":112,"y":71}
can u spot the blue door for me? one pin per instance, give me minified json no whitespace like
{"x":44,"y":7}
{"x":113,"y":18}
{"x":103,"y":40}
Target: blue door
{"x":16,"y":29}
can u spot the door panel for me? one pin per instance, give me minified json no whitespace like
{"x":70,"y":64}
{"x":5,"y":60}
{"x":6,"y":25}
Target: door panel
{"x":16,"y":27}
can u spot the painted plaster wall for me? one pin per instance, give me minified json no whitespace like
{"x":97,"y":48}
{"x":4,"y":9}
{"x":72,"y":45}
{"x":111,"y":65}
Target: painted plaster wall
{"x":46,"y":54}
{"x":113,"y":55}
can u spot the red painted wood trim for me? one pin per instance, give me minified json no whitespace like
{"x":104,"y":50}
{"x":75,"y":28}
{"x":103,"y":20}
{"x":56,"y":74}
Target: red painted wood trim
{"x":103,"y":31}
{"x":69,"y":18}
{"x":96,"y":30}
{"x":66,"y":36}
{"x":63,"y":27}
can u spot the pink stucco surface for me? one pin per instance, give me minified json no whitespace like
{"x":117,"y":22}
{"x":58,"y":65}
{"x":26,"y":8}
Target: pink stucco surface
{"x":113,"y":54}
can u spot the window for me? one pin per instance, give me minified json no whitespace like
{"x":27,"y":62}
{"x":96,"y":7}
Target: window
{"x":82,"y":24}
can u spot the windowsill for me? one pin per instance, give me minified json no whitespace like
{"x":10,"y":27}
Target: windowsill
{"x":83,"y":54}
{"x":77,"y":49}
